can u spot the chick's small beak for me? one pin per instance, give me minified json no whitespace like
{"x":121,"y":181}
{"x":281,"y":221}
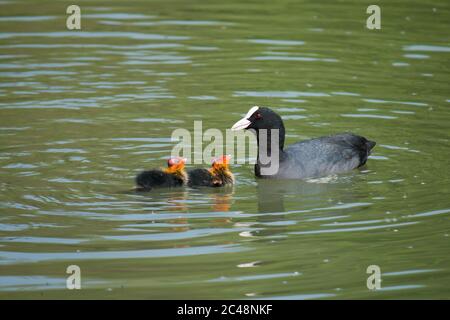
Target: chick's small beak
{"x":241,"y":124}
{"x":226,"y":159}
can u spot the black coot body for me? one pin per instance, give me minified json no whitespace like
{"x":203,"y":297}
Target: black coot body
{"x":305,"y":159}
{"x":150,"y":179}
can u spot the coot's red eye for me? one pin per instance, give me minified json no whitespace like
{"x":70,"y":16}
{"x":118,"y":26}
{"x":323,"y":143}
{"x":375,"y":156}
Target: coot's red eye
{"x":258,"y":115}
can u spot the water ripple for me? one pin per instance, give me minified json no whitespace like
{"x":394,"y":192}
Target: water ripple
{"x":255,"y":277}
{"x":11,"y":257}
{"x":354,"y":229}
{"x":92,"y":34}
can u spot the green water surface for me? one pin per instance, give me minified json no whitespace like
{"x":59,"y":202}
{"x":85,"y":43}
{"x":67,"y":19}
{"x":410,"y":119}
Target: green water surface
{"x":81,"y":112}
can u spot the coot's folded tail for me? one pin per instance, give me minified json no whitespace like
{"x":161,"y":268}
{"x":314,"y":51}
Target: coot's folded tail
{"x":370,"y":145}
{"x":366,"y":150}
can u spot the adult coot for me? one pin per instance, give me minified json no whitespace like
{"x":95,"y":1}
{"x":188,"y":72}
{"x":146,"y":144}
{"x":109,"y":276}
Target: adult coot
{"x":305,"y":159}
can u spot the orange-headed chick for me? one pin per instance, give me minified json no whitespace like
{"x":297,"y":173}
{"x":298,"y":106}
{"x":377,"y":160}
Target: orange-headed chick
{"x":218,"y":175}
{"x":221,"y":172}
{"x":172,"y":176}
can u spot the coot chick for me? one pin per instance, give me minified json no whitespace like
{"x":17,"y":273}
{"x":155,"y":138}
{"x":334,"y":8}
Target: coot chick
{"x":218,"y":175}
{"x":173,"y":176}
{"x":221,"y":170}
{"x":305,"y":159}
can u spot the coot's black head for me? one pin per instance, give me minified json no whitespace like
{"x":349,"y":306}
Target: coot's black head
{"x":261,"y":118}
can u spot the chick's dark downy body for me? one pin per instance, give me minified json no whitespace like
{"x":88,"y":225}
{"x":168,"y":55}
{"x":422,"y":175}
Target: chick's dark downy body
{"x":218,"y":175}
{"x":173,"y":176}
{"x":150,"y":179}
{"x":201,"y":178}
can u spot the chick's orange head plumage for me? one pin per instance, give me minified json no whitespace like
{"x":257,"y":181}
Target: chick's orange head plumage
{"x":175,"y":164}
{"x":221,"y":162}
{"x":220,"y":171}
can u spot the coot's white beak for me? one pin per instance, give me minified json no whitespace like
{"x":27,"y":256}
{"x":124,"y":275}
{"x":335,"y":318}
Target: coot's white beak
{"x":241,"y":124}
{"x":244,"y":122}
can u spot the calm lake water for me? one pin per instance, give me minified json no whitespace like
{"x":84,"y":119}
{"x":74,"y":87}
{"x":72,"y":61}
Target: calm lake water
{"x":81,"y":112}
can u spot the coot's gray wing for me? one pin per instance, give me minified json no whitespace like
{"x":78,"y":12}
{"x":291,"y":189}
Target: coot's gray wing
{"x":324,"y":156}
